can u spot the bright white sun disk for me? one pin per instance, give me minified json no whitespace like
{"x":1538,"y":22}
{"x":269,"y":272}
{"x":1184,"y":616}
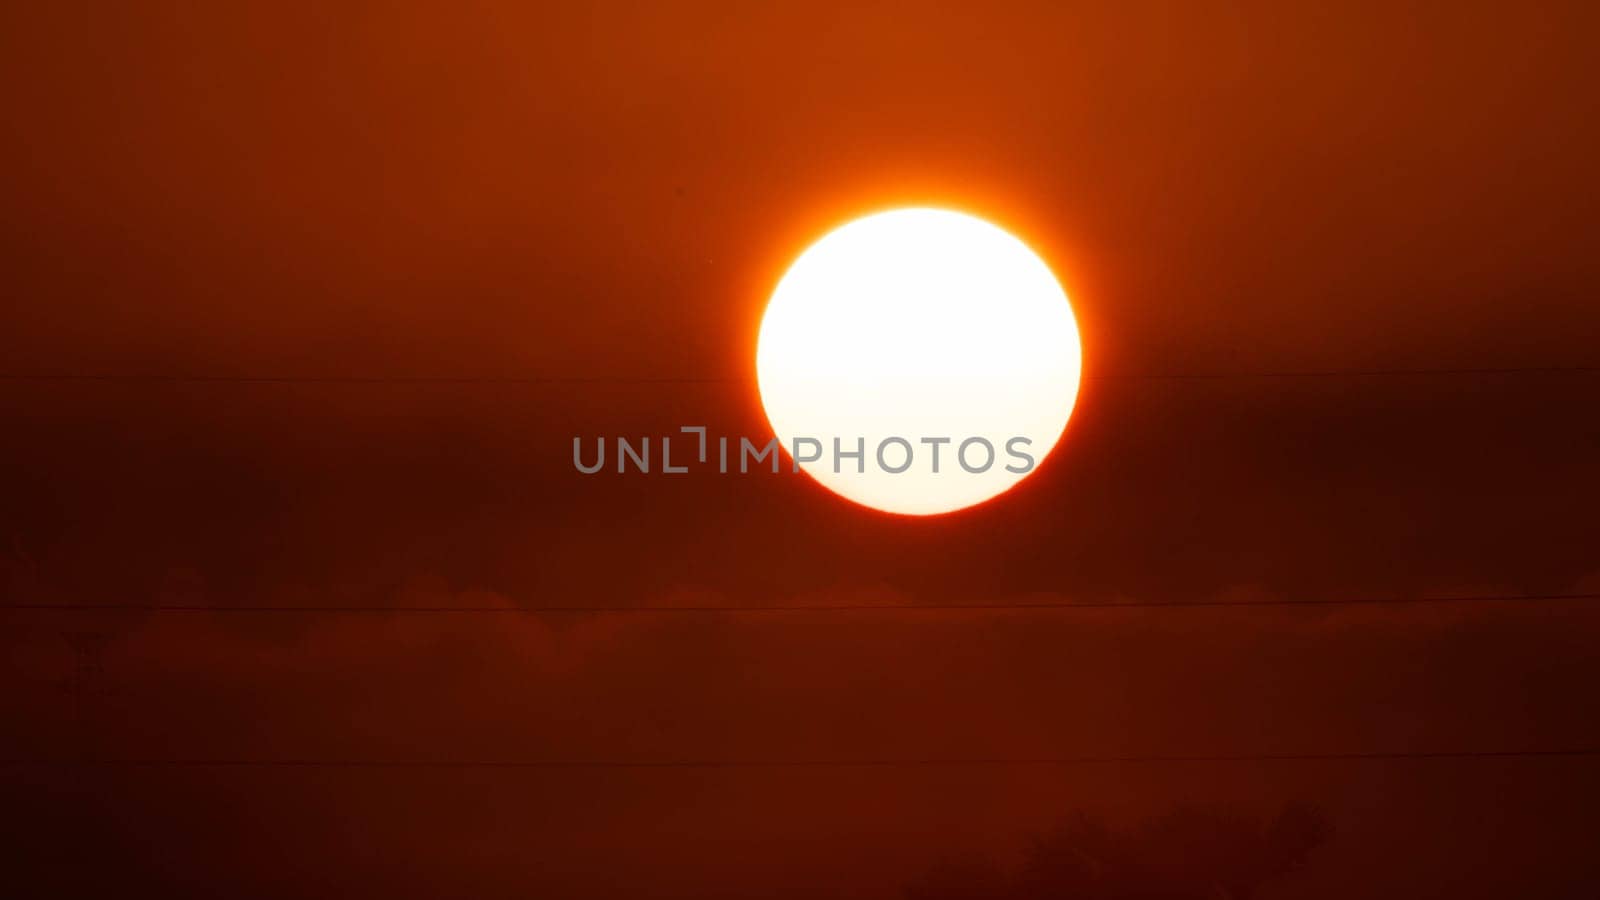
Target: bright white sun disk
{"x":919,"y":324}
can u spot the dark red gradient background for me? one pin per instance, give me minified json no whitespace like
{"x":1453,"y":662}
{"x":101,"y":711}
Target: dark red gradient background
{"x":603,"y":194}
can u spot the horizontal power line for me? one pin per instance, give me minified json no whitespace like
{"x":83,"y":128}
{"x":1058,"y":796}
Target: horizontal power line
{"x":133,"y":378}
{"x":800,"y":608}
{"x":888,"y":763}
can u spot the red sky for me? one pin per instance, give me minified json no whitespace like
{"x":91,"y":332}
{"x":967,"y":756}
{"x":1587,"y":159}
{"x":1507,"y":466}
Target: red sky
{"x":495,"y":190}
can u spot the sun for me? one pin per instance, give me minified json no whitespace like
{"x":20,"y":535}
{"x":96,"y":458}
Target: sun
{"x":918,"y":361}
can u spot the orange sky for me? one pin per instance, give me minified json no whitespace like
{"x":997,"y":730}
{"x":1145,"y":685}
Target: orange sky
{"x":491,"y":189}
